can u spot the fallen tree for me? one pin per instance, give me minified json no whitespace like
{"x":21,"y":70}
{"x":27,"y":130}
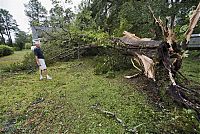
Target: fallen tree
{"x":147,"y":54}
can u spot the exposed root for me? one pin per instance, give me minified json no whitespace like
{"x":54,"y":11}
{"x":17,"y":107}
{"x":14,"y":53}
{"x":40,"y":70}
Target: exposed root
{"x":181,"y":94}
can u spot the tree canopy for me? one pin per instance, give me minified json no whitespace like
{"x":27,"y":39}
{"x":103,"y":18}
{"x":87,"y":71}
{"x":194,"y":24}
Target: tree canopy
{"x":115,"y":16}
{"x":7,"y":26}
{"x":36,"y":12}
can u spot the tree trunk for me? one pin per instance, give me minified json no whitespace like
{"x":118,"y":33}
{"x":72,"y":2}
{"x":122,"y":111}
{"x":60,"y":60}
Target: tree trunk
{"x":8,"y":33}
{"x":2,"y":38}
{"x":9,"y":36}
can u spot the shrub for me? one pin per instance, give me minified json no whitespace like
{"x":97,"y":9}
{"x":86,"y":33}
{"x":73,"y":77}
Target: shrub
{"x":27,"y":64}
{"x":16,"y":49}
{"x":28,"y":46}
{"x":5,"y":50}
{"x":112,"y":61}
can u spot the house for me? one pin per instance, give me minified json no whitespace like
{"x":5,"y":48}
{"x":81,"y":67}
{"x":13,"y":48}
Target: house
{"x":194,"y":41}
{"x":38,"y":31}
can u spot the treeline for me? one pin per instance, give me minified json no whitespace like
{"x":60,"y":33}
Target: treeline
{"x":97,"y":21}
{"x":9,"y":26}
{"x":111,"y":17}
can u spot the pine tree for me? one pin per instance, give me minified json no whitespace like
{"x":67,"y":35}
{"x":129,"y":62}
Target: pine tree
{"x":36,"y":12}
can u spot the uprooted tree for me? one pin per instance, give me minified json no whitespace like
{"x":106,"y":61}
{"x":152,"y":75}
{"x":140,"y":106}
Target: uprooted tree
{"x":149,"y":56}
{"x":168,"y":55}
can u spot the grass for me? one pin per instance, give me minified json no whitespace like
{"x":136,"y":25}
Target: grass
{"x":63,"y":105}
{"x":14,"y":58}
{"x":191,"y":66}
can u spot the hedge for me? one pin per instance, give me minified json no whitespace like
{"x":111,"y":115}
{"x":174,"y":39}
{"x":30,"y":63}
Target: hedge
{"x":5,"y":50}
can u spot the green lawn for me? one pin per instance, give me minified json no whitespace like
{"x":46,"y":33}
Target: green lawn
{"x":63,"y":105}
{"x":14,"y":58}
{"x":191,"y":66}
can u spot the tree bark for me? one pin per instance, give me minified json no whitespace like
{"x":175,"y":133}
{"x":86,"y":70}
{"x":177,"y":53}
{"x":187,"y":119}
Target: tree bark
{"x":2,"y":38}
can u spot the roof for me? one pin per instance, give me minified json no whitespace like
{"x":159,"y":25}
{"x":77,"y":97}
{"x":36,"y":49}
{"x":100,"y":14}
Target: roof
{"x":195,"y":35}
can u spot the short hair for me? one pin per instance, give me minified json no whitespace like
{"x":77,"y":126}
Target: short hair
{"x":37,"y":42}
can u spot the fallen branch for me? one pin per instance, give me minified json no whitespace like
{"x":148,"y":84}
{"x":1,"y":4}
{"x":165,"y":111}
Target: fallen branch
{"x":135,"y":65}
{"x":118,"y":120}
{"x":160,"y":24}
{"x":132,"y":76}
{"x":193,"y":21}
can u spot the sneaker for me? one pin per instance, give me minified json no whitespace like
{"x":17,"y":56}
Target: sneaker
{"x":41,"y":77}
{"x":48,"y":77}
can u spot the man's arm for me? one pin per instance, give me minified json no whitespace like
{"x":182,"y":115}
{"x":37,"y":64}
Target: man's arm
{"x":37,"y":61}
{"x":36,"y":57}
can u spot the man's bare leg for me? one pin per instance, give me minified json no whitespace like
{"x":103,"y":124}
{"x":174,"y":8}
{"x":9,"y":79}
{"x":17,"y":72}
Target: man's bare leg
{"x":40,"y":71}
{"x":46,"y":74}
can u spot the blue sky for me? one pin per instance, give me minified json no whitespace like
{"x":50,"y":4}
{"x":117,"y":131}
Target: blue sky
{"x":16,"y":8}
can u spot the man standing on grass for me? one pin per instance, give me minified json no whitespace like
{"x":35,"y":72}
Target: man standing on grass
{"x":40,"y":61}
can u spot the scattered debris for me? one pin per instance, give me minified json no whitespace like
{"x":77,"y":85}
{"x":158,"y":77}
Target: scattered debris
{"x":118,"y":120}
{"x":38,"y":100}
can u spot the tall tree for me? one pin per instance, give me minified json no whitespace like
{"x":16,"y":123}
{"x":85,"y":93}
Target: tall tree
{"x":2,"y":30}
{"x":20,"y":39}
{"x":36,"y":13}
{"x":7,"y":25}
{"x":59,"y":16}
{"x":133,"y":15}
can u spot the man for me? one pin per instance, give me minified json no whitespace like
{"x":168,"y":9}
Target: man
{"x":41,"y":62}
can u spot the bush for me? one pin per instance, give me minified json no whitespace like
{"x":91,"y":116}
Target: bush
{"x":27,"y":64}
{"x":28,"y":46}
{"x":112,"y":61}
{"x":16,"y":49}
{"x":5,"y":50}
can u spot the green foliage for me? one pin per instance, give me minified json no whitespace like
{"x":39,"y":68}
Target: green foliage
{"x":66,"y":45}
{"x":36,"y":12}
{"x":7,"y":26}
{"x":99,"y":38}
{"x":20,"y":39}
{"x":134,"y":16}
{"x":16,"y":48}
{"x":115,"y":17}
{"x":180,"y":30}
{"x":28,"y":46}
{"x":84,"y":20}
{"x":112,"y":61}
{"x":59,"y":16}
{"x":5,"y":50}
{"x":27,"y":64}
{"x":54,"y":49}
{"x":6,"y":61}
{"x":191,"y":66}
